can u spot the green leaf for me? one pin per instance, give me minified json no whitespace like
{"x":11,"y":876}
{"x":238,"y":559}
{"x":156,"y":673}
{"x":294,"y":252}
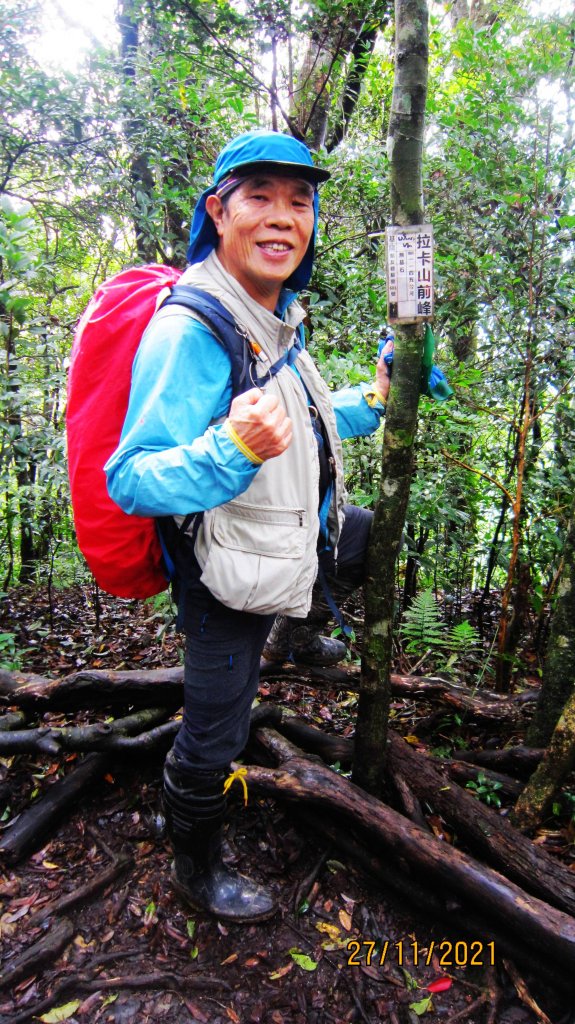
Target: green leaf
{"x":410,"y":982}
{"x":422,"y":1006}
{"x":302,"y":960}
{"x":191,"y":927}
{"x":60,"y":1012}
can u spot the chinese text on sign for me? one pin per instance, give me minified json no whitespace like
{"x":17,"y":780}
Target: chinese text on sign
{"x":409,"y":273}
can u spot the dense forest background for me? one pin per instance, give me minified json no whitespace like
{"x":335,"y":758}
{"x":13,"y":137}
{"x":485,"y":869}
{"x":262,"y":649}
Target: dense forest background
{"x":100,"y":168}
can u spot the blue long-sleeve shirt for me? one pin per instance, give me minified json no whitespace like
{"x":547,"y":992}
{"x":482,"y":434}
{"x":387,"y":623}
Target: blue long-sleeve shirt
{"x":173,"y":457}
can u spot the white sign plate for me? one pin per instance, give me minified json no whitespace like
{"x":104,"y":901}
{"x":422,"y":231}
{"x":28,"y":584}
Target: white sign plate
{"x":409,"y":273}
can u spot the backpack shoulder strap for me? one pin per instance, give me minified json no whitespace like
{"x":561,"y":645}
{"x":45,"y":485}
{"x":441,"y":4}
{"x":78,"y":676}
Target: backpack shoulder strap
{"x":233,"y":338}
{"x":223,"y":325}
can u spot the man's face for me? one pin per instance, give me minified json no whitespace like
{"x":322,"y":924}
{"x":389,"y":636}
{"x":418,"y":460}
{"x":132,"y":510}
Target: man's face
{"x":264,"y":231}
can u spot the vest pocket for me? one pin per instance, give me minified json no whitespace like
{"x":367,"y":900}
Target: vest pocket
{"x":254,"y":556}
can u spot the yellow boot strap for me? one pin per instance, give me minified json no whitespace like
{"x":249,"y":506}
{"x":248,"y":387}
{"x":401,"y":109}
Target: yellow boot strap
{"x":238,"y":776}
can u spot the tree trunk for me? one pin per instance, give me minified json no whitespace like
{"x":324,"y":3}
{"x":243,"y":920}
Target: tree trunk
{"x":416,"y":549}
{"x":405,"y":143}
{"x":360,"y":55}
{"x":559,"y":671}
{"x":335,"y":61}
{"x":557,"y":761}
{"x":141,"y":175}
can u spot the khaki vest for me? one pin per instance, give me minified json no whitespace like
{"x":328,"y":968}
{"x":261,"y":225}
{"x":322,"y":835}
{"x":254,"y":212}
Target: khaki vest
{"x":258,"y":553}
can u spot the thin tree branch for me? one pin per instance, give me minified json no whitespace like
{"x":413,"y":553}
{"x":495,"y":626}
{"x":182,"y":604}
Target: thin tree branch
{"x":479,"y":472}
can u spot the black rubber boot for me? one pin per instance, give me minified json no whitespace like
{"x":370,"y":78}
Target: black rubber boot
{"x":299,"y":641}
{"x":194,"y":805}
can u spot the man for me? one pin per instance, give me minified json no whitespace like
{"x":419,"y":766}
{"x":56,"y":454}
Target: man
{"x":264,"y":470}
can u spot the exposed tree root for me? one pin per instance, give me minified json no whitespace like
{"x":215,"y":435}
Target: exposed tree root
{"x":32,"y":827}
{"x":484,"y":831}
{"x":96,"y":687}
{"x":500,"y":908}
{"x":39,"y":953}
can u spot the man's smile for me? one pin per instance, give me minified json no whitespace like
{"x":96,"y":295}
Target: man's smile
{"x":275,"y":246}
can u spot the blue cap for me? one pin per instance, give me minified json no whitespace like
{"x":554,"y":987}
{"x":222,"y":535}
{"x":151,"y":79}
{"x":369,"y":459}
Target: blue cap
{"x":251,"y":153}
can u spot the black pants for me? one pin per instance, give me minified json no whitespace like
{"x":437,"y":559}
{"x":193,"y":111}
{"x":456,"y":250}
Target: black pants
{"x":223,"y":650}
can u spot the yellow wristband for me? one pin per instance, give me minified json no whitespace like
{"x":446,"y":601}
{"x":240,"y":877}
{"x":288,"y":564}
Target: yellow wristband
{"x":243,"y":447}
{"x":372,"y":396}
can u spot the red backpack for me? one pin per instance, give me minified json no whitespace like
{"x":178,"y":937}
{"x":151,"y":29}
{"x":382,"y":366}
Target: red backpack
{"x":124,"y":551}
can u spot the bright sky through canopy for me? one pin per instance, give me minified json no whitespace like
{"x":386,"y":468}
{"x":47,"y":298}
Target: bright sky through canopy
{"x":71,"y":29}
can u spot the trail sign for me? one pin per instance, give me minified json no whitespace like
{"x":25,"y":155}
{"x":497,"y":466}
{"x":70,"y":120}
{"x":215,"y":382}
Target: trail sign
{"x":409,"y":273}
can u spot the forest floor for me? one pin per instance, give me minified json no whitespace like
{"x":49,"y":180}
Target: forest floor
{"x":135,"y":955}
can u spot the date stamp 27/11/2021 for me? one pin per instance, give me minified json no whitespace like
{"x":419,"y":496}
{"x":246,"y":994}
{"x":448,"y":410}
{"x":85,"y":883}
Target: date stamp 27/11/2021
{"x":449,"y":954}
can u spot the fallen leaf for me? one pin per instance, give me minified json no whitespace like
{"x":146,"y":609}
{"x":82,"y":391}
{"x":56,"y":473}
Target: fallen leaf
{"x":376,"y":974}
{"x":330,"y":929}
{"x":10,"y":886}
{"x":329,"y":944}
{"x":410,"y":982}
{"x":302,"y":959}
{"x":145,"y":848}
{"x":196,"y":1013}
{"x":90,"y":1004}
{"x":232,"y":1015}
{"x":252,"y":962}
{"x":9,"y":918}
{"x":422,"y":1006}
{"x":281,"y":972}
{"x":345,"y":920}
{"x":230,"y":959}
{"x":174,"y":934}
{"x":60,"y":1013}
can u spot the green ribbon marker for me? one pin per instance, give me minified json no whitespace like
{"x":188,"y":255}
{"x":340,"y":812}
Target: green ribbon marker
{"x":433,"y":380}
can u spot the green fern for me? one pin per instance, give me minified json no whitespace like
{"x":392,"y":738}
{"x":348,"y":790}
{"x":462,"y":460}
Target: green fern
{"x":463,"y":640}
{"x":421,"y":626}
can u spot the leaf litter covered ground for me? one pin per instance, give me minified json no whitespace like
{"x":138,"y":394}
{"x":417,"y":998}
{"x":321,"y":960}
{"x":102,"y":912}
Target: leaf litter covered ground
{"x":339,"y":948}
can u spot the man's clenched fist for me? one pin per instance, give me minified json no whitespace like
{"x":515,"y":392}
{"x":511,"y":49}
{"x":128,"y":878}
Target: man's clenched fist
{"x":261,"y":422}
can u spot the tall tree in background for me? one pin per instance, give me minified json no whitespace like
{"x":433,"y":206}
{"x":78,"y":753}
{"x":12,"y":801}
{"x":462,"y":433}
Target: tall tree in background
{"x":129,"y":16}
{"x":554,"y":720}
{"x":339,"y":44}
{"x":405,"y":144}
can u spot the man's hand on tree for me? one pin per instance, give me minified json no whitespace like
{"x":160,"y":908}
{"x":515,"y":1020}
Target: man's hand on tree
{"x":382,"y":372}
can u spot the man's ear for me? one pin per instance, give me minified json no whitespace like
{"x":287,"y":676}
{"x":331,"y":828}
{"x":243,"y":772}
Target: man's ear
{"x":215,"y":209}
